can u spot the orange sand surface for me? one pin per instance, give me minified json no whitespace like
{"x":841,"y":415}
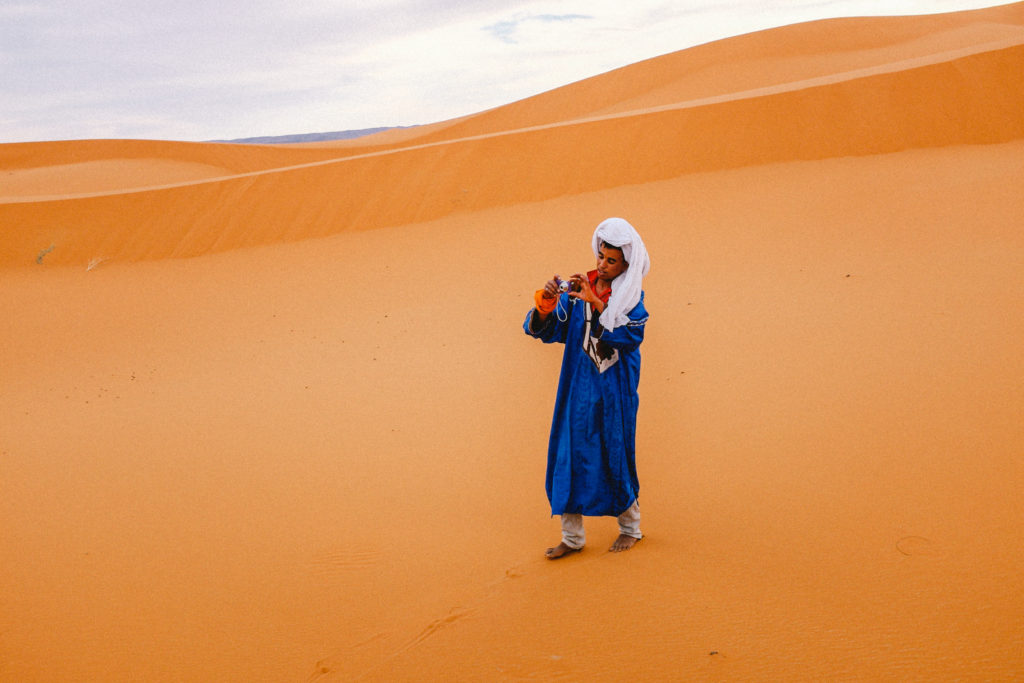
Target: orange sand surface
{"x":267,"y":413}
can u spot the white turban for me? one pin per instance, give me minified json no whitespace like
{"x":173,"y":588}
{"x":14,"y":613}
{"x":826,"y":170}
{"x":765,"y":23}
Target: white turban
{"x":627,"y":286}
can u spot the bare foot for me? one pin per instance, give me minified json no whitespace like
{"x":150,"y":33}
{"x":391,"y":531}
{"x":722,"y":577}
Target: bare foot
{"x":623,"y":542}
{"x":560,"y":550}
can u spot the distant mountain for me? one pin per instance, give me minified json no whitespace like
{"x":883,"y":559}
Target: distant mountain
{"x":310,"y":137}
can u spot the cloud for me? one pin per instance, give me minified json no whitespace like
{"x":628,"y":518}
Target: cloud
{"x":506,"y":30}
{"x":191,"y":69}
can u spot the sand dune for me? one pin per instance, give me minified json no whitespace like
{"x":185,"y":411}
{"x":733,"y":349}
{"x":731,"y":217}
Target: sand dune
{"x":314,"y":449}
{"x":932,"y":94}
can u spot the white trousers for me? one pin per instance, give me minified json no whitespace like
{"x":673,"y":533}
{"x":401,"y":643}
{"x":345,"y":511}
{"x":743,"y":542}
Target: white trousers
{"x":572,"y":526}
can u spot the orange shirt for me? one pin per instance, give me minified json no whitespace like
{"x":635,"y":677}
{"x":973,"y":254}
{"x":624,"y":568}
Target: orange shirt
{"x":592,"y":276}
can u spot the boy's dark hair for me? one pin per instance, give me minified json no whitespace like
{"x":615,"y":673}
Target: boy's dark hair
{"x":612,"y":246}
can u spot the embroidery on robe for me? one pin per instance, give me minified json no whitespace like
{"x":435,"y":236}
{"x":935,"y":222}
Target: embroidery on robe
{"x":603,"y":355}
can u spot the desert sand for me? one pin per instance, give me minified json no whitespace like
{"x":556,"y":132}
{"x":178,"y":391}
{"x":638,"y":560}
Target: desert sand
{"x":268,"y":414}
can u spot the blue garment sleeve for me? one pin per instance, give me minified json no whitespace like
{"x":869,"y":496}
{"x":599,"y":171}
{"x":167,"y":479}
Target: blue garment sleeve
{"x":553,"y":328}
{"x":628,"y":336}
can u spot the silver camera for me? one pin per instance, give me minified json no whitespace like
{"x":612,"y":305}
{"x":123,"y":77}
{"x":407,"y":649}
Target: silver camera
{"x":566,"y":286}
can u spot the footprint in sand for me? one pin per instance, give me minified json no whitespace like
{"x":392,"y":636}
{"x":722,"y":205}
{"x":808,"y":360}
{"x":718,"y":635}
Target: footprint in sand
{"x":514,"y":572}
{"x":343,"y":560}
{"x":916,"y":545}
{"x":436,"y":625}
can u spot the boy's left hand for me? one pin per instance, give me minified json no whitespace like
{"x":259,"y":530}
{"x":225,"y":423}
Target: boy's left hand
{"x":586,"y":293}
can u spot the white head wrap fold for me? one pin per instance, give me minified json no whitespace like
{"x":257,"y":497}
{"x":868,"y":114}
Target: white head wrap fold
{"x":627,"y":286}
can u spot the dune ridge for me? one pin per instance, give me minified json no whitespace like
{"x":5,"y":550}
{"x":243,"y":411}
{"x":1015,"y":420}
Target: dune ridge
{"x":282,"y":423}
{"x":963,"y":95}
{"x":892,"y":67}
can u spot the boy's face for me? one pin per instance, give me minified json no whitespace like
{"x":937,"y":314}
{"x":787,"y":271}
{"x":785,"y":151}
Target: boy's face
{"x":610,"y":263}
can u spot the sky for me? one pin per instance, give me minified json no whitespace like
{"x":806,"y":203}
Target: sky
{"x":202,"y":70}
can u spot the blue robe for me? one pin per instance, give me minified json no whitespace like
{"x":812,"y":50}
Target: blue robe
{"x":592,"y":448}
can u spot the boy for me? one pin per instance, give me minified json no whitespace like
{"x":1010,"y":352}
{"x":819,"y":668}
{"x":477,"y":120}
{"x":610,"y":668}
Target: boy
{"x":600,"y":318}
